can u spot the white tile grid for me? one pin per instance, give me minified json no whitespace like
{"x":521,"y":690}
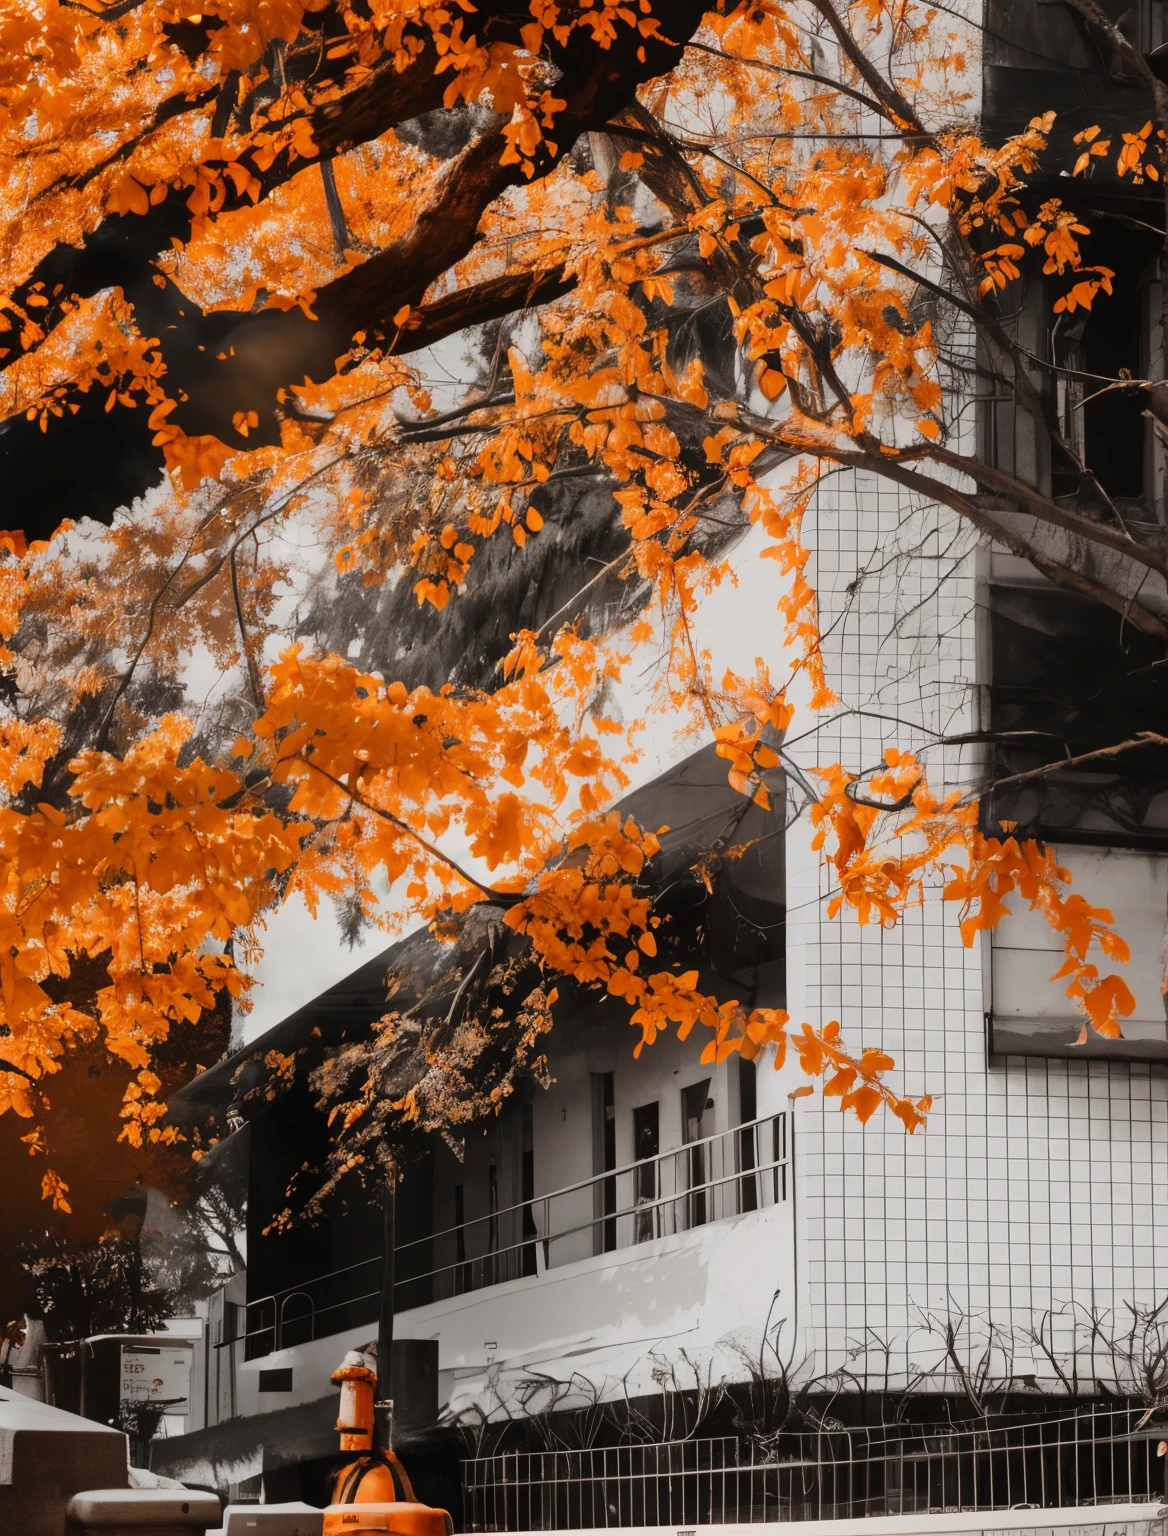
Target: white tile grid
{"x":1034,"y":1186}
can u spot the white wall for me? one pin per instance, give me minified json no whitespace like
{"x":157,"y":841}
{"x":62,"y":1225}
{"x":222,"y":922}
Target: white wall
{"x":615,"y":1317}
{"x":1035,"y":1183}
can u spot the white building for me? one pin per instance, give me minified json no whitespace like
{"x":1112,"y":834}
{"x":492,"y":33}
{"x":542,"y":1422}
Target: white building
{"x":640,"y":1226}
{"x":640,"y":1223}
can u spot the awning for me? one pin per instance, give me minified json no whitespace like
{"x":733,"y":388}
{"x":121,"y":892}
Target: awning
{"x":343,"y":1012}
{"x":701,"y":810}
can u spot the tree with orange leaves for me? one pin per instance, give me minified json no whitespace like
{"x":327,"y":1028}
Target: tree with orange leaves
{"x":422,"y":308}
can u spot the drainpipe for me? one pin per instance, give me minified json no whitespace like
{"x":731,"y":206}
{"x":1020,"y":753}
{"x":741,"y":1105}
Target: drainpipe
{"x":383,"y":1406}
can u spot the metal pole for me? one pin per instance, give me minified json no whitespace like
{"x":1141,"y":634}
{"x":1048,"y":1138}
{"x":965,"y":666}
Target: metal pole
{"x":383,"y":1407}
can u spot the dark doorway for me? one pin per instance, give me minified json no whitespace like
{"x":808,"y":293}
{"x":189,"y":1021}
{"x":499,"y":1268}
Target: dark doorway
{"x":646,"y":1149}
{"x":528,"y":1195}
{"x":604,"y":1157}
{"x":695,"y":1102}
{"x":462,"y":1273}
{"x":747,"y":1114}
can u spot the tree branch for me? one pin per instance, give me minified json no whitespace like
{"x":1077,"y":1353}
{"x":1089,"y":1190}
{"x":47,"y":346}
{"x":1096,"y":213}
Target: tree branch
{"x":893,"y":104}
{"x":496,"y":898}
{"x":10,"y":1066}
{"x":1140,"y":739}
{"x":253,"y":672}
{"x":800,"y":74}
{"x":1033,"y":502}
{"x":933,"y":489}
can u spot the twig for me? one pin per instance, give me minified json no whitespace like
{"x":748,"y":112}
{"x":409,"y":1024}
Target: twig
{"x":253,"y":675}
{"x":497,"y":898}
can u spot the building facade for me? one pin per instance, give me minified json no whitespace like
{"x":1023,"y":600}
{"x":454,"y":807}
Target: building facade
{"x":653,"y":1226}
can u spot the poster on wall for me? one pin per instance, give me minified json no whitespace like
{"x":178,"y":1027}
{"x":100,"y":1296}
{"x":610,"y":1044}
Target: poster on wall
{"x":156,"y":1373}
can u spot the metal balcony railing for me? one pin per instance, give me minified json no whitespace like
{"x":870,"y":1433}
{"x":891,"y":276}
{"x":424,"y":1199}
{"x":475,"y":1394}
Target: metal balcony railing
{"x":729,"y":1174}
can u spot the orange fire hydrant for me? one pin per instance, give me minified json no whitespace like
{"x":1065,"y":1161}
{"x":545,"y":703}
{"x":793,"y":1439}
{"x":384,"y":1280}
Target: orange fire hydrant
{"x":372,"y":1493}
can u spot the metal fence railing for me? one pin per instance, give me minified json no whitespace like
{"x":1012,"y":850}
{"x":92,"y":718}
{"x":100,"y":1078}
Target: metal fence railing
{"x":739,"y":1170}
{"x":1076,"y":1459}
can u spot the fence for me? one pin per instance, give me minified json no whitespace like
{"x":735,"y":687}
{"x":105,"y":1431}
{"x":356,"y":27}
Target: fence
{"x":740,"y":1170}
{"x":1079,"y":1459}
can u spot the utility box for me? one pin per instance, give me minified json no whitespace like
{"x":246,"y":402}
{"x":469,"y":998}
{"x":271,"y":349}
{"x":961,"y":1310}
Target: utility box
{"x":415,"y":1385}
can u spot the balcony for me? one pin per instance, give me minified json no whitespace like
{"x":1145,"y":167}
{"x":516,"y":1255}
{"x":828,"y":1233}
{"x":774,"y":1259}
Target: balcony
{"x":712,"y":1179}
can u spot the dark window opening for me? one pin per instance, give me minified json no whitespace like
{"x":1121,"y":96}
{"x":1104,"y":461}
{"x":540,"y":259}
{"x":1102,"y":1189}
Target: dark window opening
{"x":414,"y":1231}
{"x":493,"y":1220}
{"x":646,"y":1149}
{"x":528,"y":1266}
{"x":1105,"y":427}
{"x":277,"y":1380}
{"x":462,"y":1274}
{"x":604,"y":1155}
{"x":695,"y":1104}
{"x":1113,"y":423}
{"x":1068,"y":677}
{"x":747,"y":1112}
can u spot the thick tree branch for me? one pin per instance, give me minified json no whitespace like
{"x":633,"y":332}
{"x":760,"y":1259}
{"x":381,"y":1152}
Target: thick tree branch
{"x":597,"y":83}
{"x":386,"y":98}
{"x":931,"y":488}
{"x":1027,"y":499}
{"x":491,"y":299}
{"x":894,"y":105}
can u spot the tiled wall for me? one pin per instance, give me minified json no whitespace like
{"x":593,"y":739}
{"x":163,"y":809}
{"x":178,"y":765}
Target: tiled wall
{"x":1036,"y":1184}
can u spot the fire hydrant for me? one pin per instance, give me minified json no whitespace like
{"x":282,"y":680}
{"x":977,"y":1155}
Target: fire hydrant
{"x":372,"y":1493}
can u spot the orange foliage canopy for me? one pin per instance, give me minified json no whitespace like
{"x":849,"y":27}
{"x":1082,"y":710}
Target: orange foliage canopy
{"x":260,"y":222}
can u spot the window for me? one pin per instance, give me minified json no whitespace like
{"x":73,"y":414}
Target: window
{"x":1031,"y":1015}
{"x":529,"y":1265}
{"x":1106,"y":427}
{"x":1068,"y":677}
{"x":277,"y":1380}
{"x":462,"y":1274}
{"x":1103,"y":423}
{"x":493,"y":1219}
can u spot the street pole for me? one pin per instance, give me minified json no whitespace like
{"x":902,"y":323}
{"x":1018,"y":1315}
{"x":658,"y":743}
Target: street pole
{"x":383,"y":1406}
